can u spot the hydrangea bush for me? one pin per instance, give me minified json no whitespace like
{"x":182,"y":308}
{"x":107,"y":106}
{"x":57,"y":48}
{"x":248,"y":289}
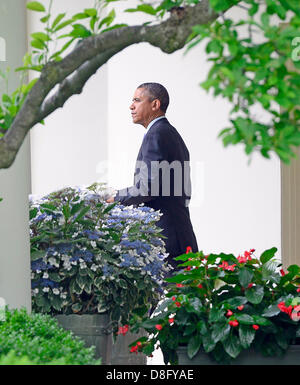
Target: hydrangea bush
{"x":88,"y":256}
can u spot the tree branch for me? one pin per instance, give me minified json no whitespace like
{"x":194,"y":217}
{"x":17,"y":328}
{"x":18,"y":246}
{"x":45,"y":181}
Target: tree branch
{"x":77,"y":67}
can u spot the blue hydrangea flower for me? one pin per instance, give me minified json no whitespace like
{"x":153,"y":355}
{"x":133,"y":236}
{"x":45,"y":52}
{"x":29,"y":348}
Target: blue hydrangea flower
{"x":64,"y":248}
{"x":128,"y":260}
{"x":39,"y":264}
{"x":93,"y":235}
{"x":86,"y":255}
{"x":107,"y":270}
{"x":44,"y":283}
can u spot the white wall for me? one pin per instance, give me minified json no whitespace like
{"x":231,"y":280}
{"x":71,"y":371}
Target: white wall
{"x":67,"y":150}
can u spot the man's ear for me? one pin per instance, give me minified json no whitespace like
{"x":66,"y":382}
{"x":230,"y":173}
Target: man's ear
{"x":156,"y":104}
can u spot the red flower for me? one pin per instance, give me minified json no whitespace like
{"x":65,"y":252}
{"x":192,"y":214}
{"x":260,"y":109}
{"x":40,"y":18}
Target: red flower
{"x":226,"y":266}
{"x":134,"y":349}
{"x":285,"y":309}
{"x":229,"y":313}
{"x":188,"y":268}
{"x":242,"y":259}
{"x":178,"y":304}
{"x":233,"y":323}
{"x":173,"y":298}
{"x":250,"y":285}
{"x":171,"y":320}
{"x":158,"y":327}
{"x":247,"y":254}
{"x":255,"y":327}
{"x":241,"y":307}
{"x":231,"y":267}
{"x":282,"y":272}
{"x":200,"y":286}
{"x":252,"y":251}
{"x":188,"y":250}
{"x":123,"y":330}
{"x":281,"y":306}
{"x":298,"y":290}
{"x":179,"y":285}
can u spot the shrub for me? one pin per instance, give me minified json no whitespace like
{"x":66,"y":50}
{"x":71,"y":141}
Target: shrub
{"x":92,"y":257}
{"x":222,"y":304}
{"x":37,"y":339}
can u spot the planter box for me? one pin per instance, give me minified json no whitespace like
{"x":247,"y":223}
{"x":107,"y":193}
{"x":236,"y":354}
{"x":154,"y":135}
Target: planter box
{"x":247,"y":357}
{"x":95,"y":330}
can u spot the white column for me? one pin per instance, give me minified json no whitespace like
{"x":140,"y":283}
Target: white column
{"x":14,"y":182}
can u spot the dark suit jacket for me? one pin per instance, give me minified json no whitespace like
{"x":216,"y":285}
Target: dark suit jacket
{"x":162,"y":181}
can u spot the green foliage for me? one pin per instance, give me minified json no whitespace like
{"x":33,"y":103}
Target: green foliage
{"x":10,"y":105}
{"x":36,"y":339}
{"x":88,"y":256}
{"x":222,"y":304}
{"x":250,"y":60}
{"x":251,"y":68}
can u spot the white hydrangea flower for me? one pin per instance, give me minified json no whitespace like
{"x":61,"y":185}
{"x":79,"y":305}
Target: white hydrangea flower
{"x":46,"y":275}
{"x":94,"y":267}
{"x":45,"y":289}
{"x":55,"y":291}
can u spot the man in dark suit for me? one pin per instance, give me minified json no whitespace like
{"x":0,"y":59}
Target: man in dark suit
{"x":162,"y":172}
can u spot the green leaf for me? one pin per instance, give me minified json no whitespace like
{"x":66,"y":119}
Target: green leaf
{"x":236,"y":301}
{"x":208,"y":342}
{"x":255,"y":294}
{"x":267,"y":255}
{"x":79,"y":30}
{"x":220,"y":331}
{"x":245,"y":276}
{"x":63,"y":25}
{"x":232,"y":345}
{"x":193,"y":346}
{"x":37,"y":254}
{"x":45,"y":18}
{"x":82,"y":213}
{"x":32,"y":212}
{"x":66,"y":211}
{"x":57,"y":20}
{"x":246,"y":335}
{"x":245,"y":319}
{"x":220,"y":5}
{"x":271,"y":311}
{"x":282,"y":340}
{"x":35,"y":6}
{"x":40,"y":36}
{"x":91,"y":12}
{"x":216,"y":314}
{"x":260,"y":320}
{"x":146,"y":8}
{"x":38,"y":44}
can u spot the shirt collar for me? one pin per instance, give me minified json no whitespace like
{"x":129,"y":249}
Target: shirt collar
{"x":153,"y":121}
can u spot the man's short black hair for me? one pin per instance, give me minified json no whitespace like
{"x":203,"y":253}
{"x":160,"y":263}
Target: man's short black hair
{"x":157,"y":91}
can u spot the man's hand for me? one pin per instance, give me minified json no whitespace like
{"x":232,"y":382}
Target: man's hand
{"x":110,"y":200}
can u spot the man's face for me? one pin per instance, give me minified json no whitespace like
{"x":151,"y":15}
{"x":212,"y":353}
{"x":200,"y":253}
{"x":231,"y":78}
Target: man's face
{"x":142,"y":110}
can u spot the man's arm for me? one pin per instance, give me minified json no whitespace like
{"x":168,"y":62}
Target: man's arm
{"x":140,"y":192}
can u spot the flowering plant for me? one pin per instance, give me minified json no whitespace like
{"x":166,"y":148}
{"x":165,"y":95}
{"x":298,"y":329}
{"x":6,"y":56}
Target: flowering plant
{"x":222,"y":304}
{"x":88,"y":256}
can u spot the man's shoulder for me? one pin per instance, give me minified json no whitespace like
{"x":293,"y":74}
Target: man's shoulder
{"x":162,"y":126}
